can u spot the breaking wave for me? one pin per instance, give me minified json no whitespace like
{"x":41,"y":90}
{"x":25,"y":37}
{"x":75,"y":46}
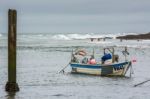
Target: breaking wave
{"x":83,"y":36}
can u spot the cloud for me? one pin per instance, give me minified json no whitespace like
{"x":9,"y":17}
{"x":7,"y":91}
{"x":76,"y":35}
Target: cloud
{"x":79,"y":15}
{"x":79,"y":6}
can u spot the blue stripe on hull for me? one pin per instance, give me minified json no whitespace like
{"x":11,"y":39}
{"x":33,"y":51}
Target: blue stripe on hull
{"x":86,"y":66}
{"x":97,"y":66}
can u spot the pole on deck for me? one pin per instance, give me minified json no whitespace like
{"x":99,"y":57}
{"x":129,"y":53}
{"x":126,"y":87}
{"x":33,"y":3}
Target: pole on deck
{"x":113,"y":56}
{"x":12,"y":85}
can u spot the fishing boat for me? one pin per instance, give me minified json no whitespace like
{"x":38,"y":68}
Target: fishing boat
{"x":111,"y":68}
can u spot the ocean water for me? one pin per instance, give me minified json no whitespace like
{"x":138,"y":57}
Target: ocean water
{"x":40,"y":57}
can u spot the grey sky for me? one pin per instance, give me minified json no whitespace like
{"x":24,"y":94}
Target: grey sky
{"x":82,"y":16}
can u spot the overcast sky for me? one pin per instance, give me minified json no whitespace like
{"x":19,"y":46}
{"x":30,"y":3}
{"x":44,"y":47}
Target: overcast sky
{"x":81,"y":16}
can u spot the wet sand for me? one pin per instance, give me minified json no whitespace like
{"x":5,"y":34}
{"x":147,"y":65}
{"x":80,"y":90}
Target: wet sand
{"x":38,"y":77}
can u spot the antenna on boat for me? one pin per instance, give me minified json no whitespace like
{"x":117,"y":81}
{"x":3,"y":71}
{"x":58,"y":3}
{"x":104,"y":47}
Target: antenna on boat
{"x":71,"y":55}
{"x":125,"y":53}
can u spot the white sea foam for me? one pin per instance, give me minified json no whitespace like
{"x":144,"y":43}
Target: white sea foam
{"x":74,"y":39}
{"x":100,"y":42}
{"x":77,"y":36}
{"x":61,"y":37}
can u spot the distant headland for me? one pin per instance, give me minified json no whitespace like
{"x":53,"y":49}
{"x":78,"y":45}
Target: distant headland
{"x":139,"y":36}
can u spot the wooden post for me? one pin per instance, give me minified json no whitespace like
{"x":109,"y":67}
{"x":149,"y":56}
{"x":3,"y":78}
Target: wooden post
{"x":11,"y":85}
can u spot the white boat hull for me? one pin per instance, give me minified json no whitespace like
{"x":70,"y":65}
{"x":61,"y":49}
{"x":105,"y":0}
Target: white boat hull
{"x":119,"y":69}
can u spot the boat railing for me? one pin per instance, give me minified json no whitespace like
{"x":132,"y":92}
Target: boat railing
{"x":111,"y":50}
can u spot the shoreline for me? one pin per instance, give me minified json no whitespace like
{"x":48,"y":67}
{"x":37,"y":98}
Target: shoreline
{"x":145,"y":36}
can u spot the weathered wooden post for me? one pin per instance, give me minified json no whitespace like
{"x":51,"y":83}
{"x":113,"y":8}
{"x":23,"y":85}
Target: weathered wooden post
{"x":12,"y":85}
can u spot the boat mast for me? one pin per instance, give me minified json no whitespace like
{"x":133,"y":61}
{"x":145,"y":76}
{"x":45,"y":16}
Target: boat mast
{"x":113,"y":51}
